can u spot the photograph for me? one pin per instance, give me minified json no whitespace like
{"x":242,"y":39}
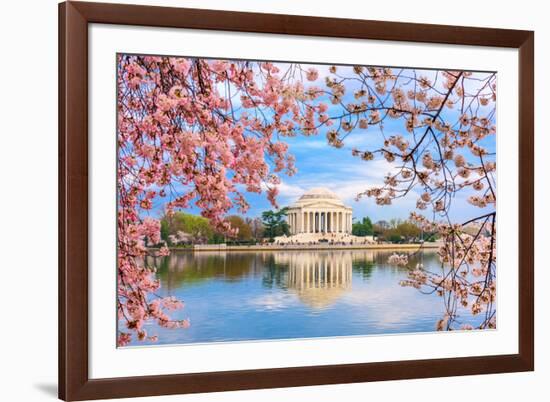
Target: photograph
{"x":272,"y":200}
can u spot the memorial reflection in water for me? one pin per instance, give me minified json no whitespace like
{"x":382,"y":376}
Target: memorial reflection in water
{"x":318,"y":279}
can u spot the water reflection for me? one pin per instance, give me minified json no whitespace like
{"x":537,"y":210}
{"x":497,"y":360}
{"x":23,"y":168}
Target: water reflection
{"x":188,"y":269}
{"x":275,"y":268}
{"x":318,"y":279}
{"x":292,"y":294}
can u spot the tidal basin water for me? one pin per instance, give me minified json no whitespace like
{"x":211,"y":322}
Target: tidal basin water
{"x":237,"y":296}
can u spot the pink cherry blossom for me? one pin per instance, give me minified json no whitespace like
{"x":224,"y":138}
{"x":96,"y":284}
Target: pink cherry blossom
{"x":312,"y":74}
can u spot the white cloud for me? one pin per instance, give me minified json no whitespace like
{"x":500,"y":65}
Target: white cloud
{"x":290,"y":191}
{"x":363,"y":139}
{"x":308,"y":144}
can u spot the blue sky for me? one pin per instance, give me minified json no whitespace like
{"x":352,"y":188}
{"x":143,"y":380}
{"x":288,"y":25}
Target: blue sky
{"x":320,"y":165}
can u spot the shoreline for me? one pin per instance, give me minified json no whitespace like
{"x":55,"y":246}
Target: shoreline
{"x":224,"y":247}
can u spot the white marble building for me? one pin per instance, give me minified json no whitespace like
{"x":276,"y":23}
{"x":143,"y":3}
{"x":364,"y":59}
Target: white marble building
{"x":320,"y":214}
{"x":319,"y":211}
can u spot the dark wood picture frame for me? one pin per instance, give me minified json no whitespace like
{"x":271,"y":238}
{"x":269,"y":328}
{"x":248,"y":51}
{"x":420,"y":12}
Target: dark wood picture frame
{"x":74,"y":381}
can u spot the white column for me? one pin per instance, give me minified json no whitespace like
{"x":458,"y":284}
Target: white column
{"x":315,"y":217}
{"x":319,"y":221}
{"x":345,"y":220}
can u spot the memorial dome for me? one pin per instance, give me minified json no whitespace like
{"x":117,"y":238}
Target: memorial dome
{"x":319,"y":194}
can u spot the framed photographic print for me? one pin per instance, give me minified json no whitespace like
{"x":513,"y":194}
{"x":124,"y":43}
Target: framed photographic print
{"x":260,"y":200}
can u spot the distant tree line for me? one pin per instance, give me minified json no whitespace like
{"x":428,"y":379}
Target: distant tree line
{"x":181,"y":228}
{"x":400,"y":231}
{"x":394,"y":231}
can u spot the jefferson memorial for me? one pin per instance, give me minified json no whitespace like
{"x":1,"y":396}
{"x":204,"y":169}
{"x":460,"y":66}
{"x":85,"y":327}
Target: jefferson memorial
{"x":319,"y":215}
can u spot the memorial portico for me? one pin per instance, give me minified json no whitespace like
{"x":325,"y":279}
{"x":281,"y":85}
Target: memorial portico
{"x":319,"y":211}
